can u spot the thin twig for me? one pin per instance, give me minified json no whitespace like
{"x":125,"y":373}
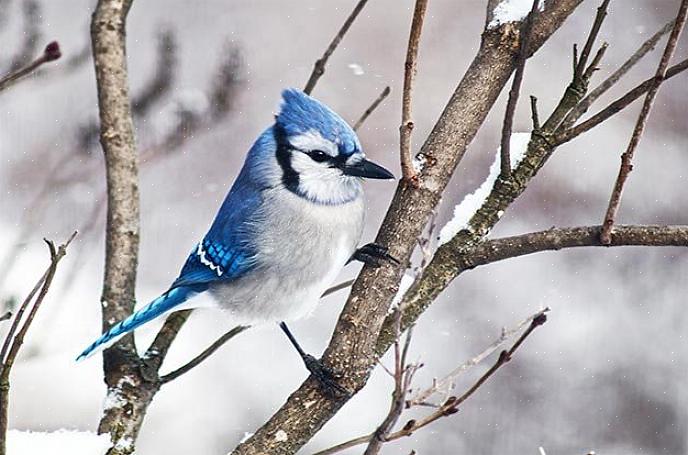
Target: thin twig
{"x":627,"y":157}
{"x":407,"y":171}
{"x":203,"y":355}
{"x":597,"y":24}
{"x":403,"y":375}
{"x":50,"y":53}
{"x":381,"y":97}
{"x":319,"y":67}
{"x":534,"y":113}
{"x":616,"y":106}
{"x":451,"y":405}
{"x":505,"y":164}
{"x":15,"y":342}
{"x":608,"y":83}
{"x":447,"y":383}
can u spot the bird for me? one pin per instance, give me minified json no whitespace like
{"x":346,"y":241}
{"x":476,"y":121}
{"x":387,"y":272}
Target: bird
{"x":291,"y":221}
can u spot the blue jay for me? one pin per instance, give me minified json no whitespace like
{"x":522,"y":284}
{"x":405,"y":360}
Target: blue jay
{"x":291,"y":221}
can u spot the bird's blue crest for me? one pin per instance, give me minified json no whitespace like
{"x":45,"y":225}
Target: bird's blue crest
{"x":301,"y":113}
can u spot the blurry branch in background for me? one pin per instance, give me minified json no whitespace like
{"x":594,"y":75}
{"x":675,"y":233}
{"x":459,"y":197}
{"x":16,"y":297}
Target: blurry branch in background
{"x":627,"y":156}
{"x":20,"y":326}
{"x":50,"y":53}
{"x":32,"y":22}
{"x":7,"y":315}
{"x":153,"y":91}
{"x":507,"y":123}
{"x":451,"y":404}
{"x":384,"y":94}
{"x":319,"y":67}
{"x":410,"y":69}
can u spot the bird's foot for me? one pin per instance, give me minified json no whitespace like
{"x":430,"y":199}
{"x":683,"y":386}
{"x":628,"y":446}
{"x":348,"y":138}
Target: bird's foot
{"x":327,"y":378}
{"x":374,"y":255}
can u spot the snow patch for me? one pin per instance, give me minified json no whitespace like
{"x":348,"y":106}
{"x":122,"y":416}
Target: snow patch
{"x":281,"y":436}
{"x":60,"y":442}
{"x":512,"y":11}
{"x":406,"y":282}
{"x":470,"y":204}
{"x":418,"y":163}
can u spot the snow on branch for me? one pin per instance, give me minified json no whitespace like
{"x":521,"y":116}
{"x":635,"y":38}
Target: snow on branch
{"x":470,"y":204}
{"x":511,"y":11}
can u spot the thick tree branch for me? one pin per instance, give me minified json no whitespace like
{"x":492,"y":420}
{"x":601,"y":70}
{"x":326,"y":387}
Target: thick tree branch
{"x":627,"y":156}
{"x":489,"y":251}
{"x":319,"y":68}
{"x":108,"y":37}
{"x":351,"y":348}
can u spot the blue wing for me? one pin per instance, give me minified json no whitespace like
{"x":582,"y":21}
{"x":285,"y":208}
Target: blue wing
{"x":225,"y":253}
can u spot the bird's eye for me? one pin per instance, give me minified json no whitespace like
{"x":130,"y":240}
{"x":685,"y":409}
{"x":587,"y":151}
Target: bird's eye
{"x":318,"y":156}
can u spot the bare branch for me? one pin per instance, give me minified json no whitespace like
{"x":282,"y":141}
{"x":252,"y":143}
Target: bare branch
{"x":507,"y":124}
{"x":597,"y":24}
{"x":407,"y":171}
{"x":50,"y":53}
{"x":203,"y":355}
{"x":627,"y":157}
{"x":616,"y":106}
{"x":13,"y":343}
{"x":608,"y":83}
{"x":384,"y":94}
{"x":319,"y":68}
{"x":534,"y":113}
{"x":451,"y":405}
{"x":447,"y":383}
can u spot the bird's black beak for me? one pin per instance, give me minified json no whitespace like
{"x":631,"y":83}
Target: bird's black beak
{"x":367,"y":169}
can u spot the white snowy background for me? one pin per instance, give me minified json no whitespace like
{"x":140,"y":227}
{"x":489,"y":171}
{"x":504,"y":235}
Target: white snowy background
{"x":606,"y":373}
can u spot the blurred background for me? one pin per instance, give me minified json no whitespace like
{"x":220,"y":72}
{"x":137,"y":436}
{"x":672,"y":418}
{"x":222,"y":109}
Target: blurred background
{"x":606,"y":373}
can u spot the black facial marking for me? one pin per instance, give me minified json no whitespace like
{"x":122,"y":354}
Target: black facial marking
{"x":290,"y":178}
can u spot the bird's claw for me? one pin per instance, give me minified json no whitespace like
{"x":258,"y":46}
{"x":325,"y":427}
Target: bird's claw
{"x":374,"y":255}
{"x":327,"y":378}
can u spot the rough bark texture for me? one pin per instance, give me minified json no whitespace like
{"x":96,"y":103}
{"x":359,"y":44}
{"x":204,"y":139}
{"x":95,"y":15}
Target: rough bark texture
{"x":352,"y":347}
{"x":122,"y":417}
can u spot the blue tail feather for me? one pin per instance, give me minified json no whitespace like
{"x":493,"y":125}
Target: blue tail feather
{"x":157,"y":307}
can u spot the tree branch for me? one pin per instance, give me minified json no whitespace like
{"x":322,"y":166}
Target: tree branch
{"x":608,"y":83}
{"x":451,"y":405}
{"x":507,"y":124}
{"x":384,"y":94}
{"x":627,"y":157}
{"x":13,"y":343}
{"x":203,"y":355}
{"x":407,"y":171}
{"x":50,"y":53}
{"x":319,"y":68}
{"x":616,"y":106}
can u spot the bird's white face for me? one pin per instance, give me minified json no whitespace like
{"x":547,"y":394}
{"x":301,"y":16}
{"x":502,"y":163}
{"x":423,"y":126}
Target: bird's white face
{"x":321,"y":169}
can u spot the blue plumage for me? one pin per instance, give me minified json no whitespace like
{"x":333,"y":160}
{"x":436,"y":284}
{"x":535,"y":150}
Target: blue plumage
{"x":290,"y":222}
